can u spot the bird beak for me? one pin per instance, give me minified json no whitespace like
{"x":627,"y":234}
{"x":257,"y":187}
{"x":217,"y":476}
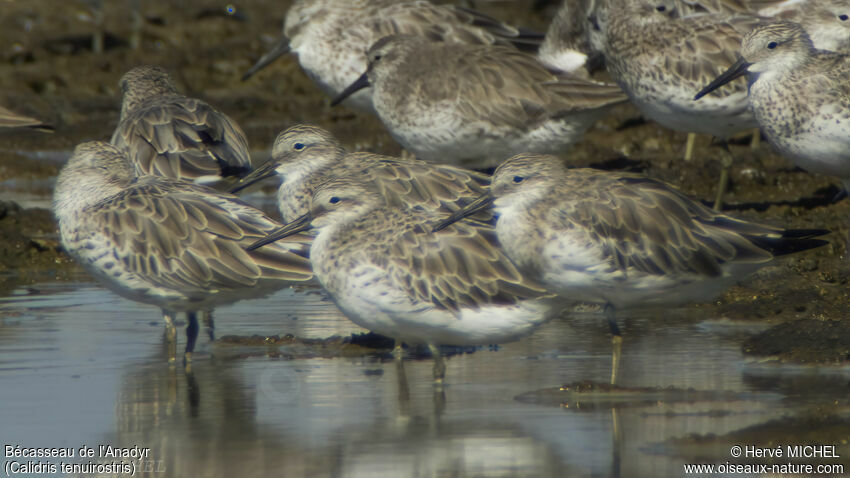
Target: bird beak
{"x":263,"y":171}
{"x":481,"y":203}
{"x":300,"y":224}
{"x":739,"y":68}
{"x":279,"y":49}
{"x":359,"y":84}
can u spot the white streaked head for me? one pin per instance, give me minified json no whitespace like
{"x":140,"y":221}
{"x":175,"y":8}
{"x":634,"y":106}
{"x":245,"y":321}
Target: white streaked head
{"x":827,"y":23}
{"x":524,"y":177}
{"x":777,"y":47}
{"x":341,"y":200}
{"x":142,"y":83}
{"x":95,"y":171}
{"x":305,"y":148}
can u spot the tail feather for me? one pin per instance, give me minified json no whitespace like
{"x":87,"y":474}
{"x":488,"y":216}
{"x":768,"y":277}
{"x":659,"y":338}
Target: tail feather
{"x":792,"y":240}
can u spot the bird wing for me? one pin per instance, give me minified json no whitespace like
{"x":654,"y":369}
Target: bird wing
{"x":711,"y":45}
{"x":461,"y":266}
{"x":192,"y":238}
{"x":433,"y":187}
{"x":183,"y":137}
{"x":443,"y":23}
{"x":645,"y":225}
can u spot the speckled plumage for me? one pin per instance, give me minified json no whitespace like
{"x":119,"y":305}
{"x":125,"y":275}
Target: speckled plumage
{"x":661,"y":61}
{"x":800,"y":96}
{"x":330,"y":36}
{"x":389,"y":273}
{"x":758,"y":7}
{"x":306,"y":156}
{"x":623,"y":239}
{"x":474,"y":105}
{"x":170,"y":243}
{"x":174,"y":136}
{"x":826,"y":21}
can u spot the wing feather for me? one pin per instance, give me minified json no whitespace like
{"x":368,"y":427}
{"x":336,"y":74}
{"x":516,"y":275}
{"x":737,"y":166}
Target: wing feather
{"x":191,"y":237}
{"x":646,"y":226}
{"x":181,"y":137}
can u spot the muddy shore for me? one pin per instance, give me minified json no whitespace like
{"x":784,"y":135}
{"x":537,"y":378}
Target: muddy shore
{"x":48,"y":70}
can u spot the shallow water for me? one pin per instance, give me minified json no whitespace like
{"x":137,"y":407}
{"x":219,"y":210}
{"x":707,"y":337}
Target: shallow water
{"x":80,"y":366}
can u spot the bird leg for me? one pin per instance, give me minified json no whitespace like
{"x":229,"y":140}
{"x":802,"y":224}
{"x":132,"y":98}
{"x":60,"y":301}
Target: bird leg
{"x":616,"y":342}
{"x":439,"y":365}
{"x":689,"y":146}
{"x":191,"y":336}
{"x":209,"y":323}
{"x":398,"y":351}
{"x":170,"y":335}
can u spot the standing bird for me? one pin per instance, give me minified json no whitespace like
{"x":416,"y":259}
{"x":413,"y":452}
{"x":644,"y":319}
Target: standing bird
{"x":660,"y":60}
{"x":167,"y":242}
{"x":800,"y":96}
{"x":330,"y":36}
{"x":620,"y":239}
{"x":474,"y":105}
{"x":305,"y":156}
{"x":388,"y":273}
{"x":171,"y":135}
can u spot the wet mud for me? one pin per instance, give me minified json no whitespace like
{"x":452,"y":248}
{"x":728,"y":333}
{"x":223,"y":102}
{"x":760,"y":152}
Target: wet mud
{"x":49,"y":70}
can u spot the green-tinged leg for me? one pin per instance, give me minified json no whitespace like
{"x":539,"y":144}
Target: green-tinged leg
{"x":439,"y":364}
{"x":689,"y":146}
{"x":723,"y":184}
{"x":170,"y":335}
{"x":755,"y":143}
{"x":191,"y":336}
{"x":616,"y":342}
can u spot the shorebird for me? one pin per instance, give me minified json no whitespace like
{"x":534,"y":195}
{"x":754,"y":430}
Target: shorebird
{"x":388,"y":273}
{"x":10,"y":119}
{"x":330,"y":36}
{"x":306,"y":156}
{"x":800,"y":96}
{"x":170,"y":243}
{"x":566,"y":46}
{"x":622,"y":240}
{"x":475,"y":105}
{"x":171,"y":135}
{"x":660,"y":60}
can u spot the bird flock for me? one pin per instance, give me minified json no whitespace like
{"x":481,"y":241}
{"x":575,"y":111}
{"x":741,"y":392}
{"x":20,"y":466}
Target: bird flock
{"x":431,"y":249}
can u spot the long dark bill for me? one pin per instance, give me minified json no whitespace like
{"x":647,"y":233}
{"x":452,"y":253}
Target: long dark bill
{"x":480,"y":203}
{"x":739,"y":68}
{"x":300,"y":224}
{"x":359,"y":84}
{"x":279,"y":49}
{"x":263,"y":171}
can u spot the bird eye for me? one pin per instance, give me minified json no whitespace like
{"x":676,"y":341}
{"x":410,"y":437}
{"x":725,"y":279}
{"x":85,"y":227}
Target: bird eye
{"x":843,"y":17}
{"x":376,"y":57}
{"x":661,"y":8}
{"x":298,"y":146}
{"x":333,"y":200}
{"x":518,"y":179}
{"x":771,"y":45}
